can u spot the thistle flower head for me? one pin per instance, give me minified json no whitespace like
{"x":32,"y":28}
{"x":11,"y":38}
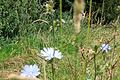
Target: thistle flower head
{"x":31,"y":71}
{"x":49,"y":53}
{"x":105,"y":47}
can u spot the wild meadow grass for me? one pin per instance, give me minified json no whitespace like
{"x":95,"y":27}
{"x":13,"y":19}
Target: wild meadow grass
{"x":18,"y":52}
{"x":83,"y":58}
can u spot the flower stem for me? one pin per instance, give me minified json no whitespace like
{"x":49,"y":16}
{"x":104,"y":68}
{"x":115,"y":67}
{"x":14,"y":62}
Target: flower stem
{"x":76,"y":61}
{"x":44,"y":68}
{"x":89,"y":18}
{"x":84,"y":67}
{"x":114,"y":36}
{"x":61,"y":15}
{"x":53,"y":69}
{"x":95,"y":67}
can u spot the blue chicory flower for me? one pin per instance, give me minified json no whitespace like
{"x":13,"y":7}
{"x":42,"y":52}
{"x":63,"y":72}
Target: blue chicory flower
{"x":49,"y":53}
{"x":31,"y":71}
{"x":105,"y":47}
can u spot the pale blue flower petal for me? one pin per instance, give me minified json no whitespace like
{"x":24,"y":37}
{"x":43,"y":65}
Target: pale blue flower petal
{"x":49,"y":53}
{"x":30,"y":71}
{"x":105,"y":47}
{"x":58,"y":55}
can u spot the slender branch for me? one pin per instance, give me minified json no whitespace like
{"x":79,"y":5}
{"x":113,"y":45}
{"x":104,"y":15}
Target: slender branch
{"x":61,"y":15}
{"x":89,"y":18}
{"x":95,"y":66}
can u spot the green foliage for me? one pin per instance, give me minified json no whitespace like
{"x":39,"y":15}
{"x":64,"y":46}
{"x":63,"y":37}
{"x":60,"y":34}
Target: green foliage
{"x":105,"y":11}
{"x":21,"y":17}
{"x":17,"y":17}
{"x":26,"y":28}
{"x":70,"y":67}
{"x":110,"y":10}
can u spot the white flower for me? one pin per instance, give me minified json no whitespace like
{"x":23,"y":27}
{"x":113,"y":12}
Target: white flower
{"x":49,"y":53}
{"x":31,"y":71}
{"x":105,"y":47}
{"x":63,"y":20}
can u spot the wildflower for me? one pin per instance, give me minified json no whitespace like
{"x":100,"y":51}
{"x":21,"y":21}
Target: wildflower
{"x":105,"y":47}
{"x":63,"y":20}
{"x":49,"y":53}
{"x":31,"y":71}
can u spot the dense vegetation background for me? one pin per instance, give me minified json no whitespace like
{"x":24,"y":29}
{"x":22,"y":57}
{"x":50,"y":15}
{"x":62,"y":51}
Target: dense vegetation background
{"x":17,"y":16}
{"x":27,"y":26}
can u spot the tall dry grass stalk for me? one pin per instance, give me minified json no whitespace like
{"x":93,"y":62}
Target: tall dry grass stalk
{"x":79,"y":6}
